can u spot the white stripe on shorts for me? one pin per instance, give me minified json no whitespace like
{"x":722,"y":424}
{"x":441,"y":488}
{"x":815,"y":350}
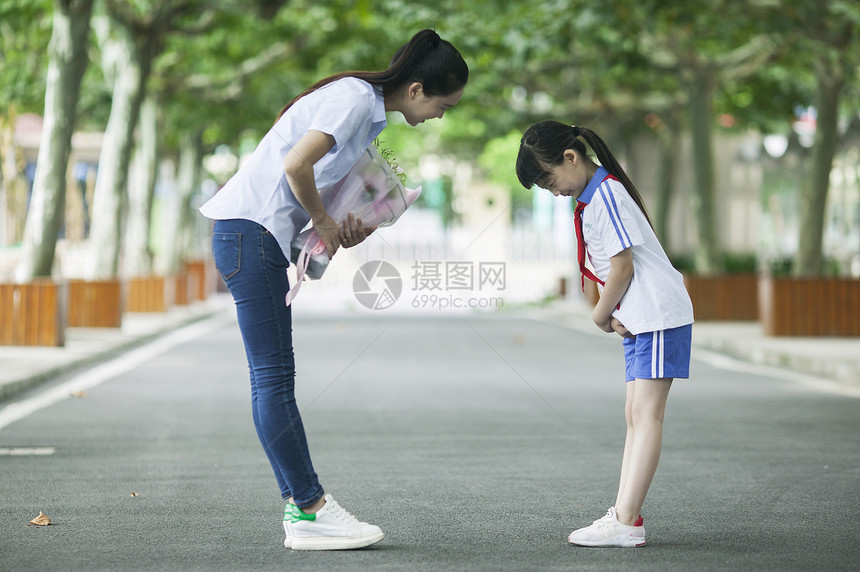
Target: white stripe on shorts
{"x":657,"y":355}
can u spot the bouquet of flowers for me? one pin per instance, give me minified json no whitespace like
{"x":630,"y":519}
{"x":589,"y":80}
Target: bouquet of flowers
{"x":371,"y":191}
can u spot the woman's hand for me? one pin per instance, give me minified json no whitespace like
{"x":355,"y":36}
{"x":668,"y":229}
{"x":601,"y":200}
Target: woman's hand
{"x":299,"y":169}
{"x":329,"y":233}
{"x":353,"y":231}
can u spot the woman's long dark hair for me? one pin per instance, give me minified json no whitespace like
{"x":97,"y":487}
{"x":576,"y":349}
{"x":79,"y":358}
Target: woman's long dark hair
{"x":544,"y":143}
{"x":426,"y":58}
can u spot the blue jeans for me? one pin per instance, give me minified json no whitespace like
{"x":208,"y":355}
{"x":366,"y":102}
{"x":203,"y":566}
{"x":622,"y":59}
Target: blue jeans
{"x":255,"y":269}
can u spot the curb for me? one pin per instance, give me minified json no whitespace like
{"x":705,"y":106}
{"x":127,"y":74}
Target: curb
{"x":835,"y":359}
{"x":170,"y":321}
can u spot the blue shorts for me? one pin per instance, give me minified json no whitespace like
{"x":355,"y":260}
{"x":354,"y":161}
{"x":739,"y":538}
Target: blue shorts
{"x":656,"y":355}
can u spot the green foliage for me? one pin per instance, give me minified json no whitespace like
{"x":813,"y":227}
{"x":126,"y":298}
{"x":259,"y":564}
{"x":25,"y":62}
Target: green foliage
{"x":732,"y":263}
{"x":607,"y":65}
{"x":25,"y":31}
{"x":498,"y":162}
{"x":784,"y":267}
{"x":569,"y":59}
{"x":390,"y":158}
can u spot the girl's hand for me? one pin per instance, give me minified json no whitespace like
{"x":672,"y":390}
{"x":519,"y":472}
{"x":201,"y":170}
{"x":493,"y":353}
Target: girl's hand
{"x":353,"y":231}
{"x":617,"y":282}
{"x":619,"y":328}
{"x":603,"y":322}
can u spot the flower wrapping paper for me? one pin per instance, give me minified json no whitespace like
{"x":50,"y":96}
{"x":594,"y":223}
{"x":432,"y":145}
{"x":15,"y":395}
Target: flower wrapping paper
{"x":371,"y":191}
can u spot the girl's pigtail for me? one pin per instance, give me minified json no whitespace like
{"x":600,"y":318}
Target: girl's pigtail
{"x":607,"y":159}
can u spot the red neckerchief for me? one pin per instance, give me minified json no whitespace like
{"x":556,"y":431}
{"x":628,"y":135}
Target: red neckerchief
{"x":580,"y":242}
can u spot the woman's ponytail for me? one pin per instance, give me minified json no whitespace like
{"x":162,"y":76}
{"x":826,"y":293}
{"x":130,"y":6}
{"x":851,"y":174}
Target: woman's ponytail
{"x":410,"y":56}
{"x":425,"y":58}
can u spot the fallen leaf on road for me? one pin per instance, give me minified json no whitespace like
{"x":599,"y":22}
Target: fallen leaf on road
{"x":41,"y":520}
{"x":81,"y":393}
{"x":134,"y":494}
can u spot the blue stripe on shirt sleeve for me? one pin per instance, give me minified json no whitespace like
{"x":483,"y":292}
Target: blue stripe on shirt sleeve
{"x":615,"y":217}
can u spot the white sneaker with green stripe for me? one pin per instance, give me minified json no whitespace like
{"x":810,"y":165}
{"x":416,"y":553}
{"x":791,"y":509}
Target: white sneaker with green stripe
{"x":288,"y":526}
{"x":330,"y":528}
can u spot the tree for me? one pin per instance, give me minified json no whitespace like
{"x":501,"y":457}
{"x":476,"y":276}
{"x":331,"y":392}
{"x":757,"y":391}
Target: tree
{"x":206,"y":61}
{"x":667,"y":128}
{"x":131,"y":37}
{"x":141,"y":190}
{"x":705,"y":45}
{"x":200,"y":89}
{"x":25,"y":31}
{"x":180,"y":232}
{"x":830,"y":33}
{"x":68,"y":60}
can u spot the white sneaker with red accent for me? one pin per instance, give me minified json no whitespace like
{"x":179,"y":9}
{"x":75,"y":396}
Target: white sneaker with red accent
{"x":607,"y":531}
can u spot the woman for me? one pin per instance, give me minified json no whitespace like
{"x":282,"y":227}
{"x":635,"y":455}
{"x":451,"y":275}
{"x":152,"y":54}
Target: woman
{"x":314,"y":143}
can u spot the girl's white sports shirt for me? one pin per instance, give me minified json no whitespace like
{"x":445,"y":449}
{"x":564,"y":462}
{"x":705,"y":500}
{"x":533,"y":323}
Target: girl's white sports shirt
{"x":350,"y":110}
{"x":611,"y":222}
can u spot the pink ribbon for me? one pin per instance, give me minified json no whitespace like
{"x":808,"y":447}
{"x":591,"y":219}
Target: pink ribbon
{"x":302,"y":262}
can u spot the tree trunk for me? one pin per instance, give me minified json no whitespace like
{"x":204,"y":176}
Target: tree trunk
{"x":669,"y":142}
{"x":187,"y":184}
{"x":68,"y":61}
{"x":707,"y":252}
{"x":131,"y":65}
{"x":138,"y":255}
{"x":813,"y":201}
{"x":13,"y":185}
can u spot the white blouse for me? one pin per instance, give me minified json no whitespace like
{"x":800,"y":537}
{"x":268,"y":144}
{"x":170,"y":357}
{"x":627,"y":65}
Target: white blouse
{"x":350,"y":110}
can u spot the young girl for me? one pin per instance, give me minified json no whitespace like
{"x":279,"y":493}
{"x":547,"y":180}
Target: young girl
{"x":314,"y":143}
{"x":643,"y":300}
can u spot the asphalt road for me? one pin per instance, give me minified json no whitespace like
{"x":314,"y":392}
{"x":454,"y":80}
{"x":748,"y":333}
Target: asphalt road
{"x":476,"y":443}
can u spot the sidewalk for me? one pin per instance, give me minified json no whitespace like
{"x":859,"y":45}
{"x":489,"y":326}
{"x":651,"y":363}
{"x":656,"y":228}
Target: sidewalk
{"x":833,"y":360}
{"x":24,"y":367}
